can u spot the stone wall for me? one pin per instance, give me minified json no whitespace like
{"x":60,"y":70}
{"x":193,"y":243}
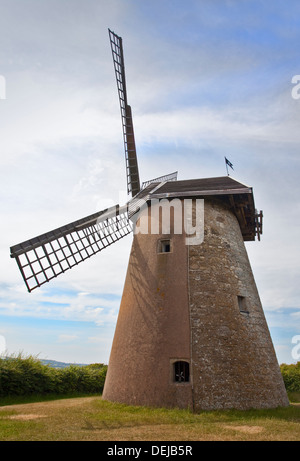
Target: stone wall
{"x":153,"y":327}
{"x":233,"y":359}
{"x":185,"y":305}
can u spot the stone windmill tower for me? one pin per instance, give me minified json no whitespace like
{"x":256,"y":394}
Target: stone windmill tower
{"x":191,"y":331}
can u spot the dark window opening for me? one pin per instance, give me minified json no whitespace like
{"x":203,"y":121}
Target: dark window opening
{"x":181,"y":372}
{"x":164,"y":246}
{"x":242,"y":302}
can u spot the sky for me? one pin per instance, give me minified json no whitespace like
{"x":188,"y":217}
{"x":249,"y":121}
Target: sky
{"x":205,"y":79}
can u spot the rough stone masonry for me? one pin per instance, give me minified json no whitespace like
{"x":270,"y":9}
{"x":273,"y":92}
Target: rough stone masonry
{"x":233,"y":359}
{"x":191,"y":332}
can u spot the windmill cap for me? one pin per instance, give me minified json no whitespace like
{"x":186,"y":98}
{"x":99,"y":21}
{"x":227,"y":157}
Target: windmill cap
{"x":238,"y":197}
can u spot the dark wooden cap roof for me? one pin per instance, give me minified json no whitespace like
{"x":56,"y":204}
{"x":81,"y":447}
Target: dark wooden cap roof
{"x":205,"y":186}
{"x":238,"y":196}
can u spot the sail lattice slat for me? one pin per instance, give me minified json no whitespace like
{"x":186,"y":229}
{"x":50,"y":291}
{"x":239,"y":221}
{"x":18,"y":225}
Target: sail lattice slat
{"x":45,"y":257}
{"x":132,"y":171}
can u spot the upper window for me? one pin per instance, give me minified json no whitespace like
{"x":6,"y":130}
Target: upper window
{"x":242,"y":302}
{"x":164,"y":246}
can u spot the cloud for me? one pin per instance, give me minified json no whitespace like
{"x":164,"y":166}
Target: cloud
{"x":64,"y":304}
{"x":205,"y":81}
{"x":67,"y":338}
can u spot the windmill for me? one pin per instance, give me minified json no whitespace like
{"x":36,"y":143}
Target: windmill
{"x":191,"y":331}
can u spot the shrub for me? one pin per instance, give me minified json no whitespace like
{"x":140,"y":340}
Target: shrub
{"x":27,"y":375}
{"x":291,"y":376}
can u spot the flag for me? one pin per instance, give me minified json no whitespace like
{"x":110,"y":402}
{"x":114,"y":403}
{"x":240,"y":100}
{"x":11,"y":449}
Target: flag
{"x":228,"y":163}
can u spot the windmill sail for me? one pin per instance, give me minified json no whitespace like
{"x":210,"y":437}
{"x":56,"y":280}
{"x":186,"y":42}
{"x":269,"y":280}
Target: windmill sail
{"x":45,"y":257}
{"x":167,"y":177}
{"x":132,"y":171}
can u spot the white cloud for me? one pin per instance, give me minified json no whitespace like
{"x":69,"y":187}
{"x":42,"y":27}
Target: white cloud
{"x":197,"y":94}
{"x":67,"y":338}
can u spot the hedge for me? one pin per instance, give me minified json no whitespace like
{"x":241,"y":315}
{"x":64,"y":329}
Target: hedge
{"x":291,"y":376}
{"x":25,"y":376}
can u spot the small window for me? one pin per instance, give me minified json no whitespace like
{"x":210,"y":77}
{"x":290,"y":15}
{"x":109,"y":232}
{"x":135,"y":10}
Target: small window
{"x":242,"y":302}
{"x":181,"y":372}
{"x":164,"y":246}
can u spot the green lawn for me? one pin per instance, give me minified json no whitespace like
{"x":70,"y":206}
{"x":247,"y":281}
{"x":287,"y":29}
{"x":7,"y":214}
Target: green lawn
{"x":91,"y":418}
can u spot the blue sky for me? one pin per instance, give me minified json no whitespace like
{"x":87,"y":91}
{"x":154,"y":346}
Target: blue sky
{"x":205,"y":79}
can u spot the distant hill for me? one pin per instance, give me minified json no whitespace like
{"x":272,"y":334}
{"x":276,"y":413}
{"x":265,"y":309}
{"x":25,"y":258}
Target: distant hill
{"x":56,"y":364}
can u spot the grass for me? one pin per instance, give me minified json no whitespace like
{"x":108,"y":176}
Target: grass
{"x":19,"y":399}
{"x":294,"y":397}
{"x":91,"y":418}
